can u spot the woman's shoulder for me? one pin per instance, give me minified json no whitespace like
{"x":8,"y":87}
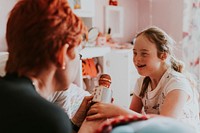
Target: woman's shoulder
{"x":29,"y":104}
{"x":51,"y":115}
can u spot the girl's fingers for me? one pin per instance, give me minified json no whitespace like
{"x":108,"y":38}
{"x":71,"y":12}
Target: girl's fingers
{"x":92,"y":111}
{"x":93,"y":117}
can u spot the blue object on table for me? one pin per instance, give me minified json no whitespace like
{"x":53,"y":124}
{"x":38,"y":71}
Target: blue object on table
{"x":154,"y":125}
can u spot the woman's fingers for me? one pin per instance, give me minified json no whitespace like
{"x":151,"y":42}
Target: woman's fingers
{"x":87,"y":99}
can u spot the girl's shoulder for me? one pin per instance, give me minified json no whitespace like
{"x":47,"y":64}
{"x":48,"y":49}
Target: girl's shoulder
{"x":140,"y":80}
{"x":174,"y":75}
{"x":138,"y":86}
{"x":175,"y":80}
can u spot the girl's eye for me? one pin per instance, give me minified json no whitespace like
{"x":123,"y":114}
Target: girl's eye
{"x":144,"y":54}
{"x":134,"y":53}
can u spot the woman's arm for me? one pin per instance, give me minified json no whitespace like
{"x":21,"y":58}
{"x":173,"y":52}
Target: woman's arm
{"x":81,"y":113}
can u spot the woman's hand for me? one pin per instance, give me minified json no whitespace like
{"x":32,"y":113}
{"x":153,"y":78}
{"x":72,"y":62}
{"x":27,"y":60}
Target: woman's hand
{"x":82,"y":111}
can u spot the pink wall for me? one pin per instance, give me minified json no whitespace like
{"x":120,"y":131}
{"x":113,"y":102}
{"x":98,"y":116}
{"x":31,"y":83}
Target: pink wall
{"x":166,"y":14}
{"x":99,"y":14}
{"x":130,"y":17}
{"x":6,"y":6}
{"x":138,"y":14}
{"x":143,"y":14}
{"x":131,"y":13}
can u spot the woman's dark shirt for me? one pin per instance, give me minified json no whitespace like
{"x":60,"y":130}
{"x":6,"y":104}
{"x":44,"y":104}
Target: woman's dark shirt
{"x":23,"y":110}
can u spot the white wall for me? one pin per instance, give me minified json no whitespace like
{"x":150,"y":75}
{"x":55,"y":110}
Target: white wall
{"x":5,"y":7}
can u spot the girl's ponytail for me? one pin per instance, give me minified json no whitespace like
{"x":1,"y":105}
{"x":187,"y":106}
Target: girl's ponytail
{"x":177,"y":65}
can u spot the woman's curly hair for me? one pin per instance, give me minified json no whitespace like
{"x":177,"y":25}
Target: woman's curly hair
{"x":36,"y":32}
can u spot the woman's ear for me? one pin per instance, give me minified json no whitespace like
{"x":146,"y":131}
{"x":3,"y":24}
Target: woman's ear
{"x":62,"y":56}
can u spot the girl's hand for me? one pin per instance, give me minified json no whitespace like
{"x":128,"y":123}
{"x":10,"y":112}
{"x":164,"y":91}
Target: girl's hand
{"x":103,"y":111}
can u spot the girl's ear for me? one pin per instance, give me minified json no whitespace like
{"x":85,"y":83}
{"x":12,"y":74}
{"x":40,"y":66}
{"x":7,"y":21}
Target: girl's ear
{"x":62,"y":56}
{"x":163,"y":56}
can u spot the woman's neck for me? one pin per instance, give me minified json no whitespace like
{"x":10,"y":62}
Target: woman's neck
{"x":43,"y":83}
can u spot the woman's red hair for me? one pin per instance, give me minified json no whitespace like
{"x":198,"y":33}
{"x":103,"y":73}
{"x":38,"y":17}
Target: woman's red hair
{"x":36,"y":32}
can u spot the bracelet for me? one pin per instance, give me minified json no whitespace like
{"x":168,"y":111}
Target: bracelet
{"x":74,"y":126}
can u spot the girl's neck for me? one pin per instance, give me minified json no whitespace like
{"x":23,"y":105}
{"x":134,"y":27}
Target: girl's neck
{"x":157,"y":76}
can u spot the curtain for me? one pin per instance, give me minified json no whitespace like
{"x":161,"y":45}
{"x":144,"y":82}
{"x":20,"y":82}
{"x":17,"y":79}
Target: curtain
{"x":191,"y":36}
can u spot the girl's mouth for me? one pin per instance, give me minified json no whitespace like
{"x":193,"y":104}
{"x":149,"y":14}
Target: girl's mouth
{"x":141,"y":66}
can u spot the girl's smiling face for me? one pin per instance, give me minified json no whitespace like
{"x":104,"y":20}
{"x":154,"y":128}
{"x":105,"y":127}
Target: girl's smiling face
{"x":145,"y":57}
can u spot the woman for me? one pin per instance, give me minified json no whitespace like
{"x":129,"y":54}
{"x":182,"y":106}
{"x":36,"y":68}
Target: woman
{"x":43,"y":38}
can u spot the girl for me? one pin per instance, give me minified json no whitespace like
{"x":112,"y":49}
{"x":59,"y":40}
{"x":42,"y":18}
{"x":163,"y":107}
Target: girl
{"x":163,"y":89}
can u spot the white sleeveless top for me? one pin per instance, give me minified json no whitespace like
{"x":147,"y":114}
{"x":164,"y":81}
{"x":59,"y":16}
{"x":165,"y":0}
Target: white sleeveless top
{"x":171,"y":80}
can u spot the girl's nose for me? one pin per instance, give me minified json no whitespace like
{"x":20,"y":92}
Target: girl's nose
{"x":136,"y":59}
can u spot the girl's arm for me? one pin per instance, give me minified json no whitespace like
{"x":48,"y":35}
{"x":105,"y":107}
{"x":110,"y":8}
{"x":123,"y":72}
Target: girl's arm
{"x":136,"y":104}
{"x":104,"y":110}
{"x":174,"y":103}
{"x":107,"y":110}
